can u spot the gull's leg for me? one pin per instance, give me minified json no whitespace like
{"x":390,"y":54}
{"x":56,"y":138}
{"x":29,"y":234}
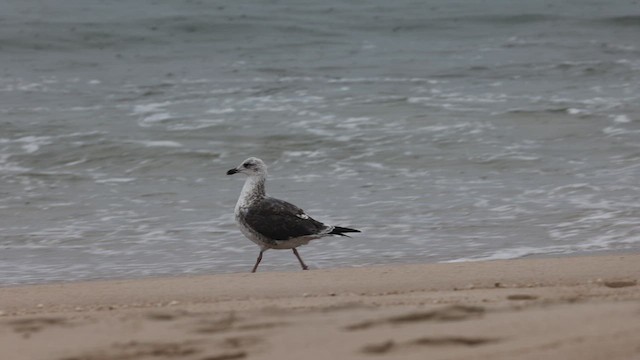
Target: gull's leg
{"x":255,"y":267}
{"x":304,"y":267}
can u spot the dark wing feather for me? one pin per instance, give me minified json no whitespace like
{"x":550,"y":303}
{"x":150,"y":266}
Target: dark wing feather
{"x":280,"y":220}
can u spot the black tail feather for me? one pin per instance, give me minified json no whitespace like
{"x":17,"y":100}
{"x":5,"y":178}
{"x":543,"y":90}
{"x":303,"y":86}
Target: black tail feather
{"x":337,"y":230}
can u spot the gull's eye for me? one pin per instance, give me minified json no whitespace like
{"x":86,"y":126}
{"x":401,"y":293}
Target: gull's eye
{"x":247,"y":165}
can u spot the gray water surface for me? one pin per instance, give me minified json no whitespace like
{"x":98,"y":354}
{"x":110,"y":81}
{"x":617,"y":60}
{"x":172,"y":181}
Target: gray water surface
{"x":444,"y":130}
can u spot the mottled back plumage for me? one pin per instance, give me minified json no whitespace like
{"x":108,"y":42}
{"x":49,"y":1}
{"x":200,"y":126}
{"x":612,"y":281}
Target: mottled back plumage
{"x":279,"y":220}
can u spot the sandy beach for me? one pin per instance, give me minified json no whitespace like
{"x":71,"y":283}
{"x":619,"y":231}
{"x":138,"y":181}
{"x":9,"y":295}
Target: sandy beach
{"x":551,"y":308}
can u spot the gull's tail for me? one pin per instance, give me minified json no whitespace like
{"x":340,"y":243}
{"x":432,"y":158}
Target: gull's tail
{"x":337,"y":230}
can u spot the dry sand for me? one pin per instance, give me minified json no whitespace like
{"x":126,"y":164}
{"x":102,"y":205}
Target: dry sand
{"x":561,"y":308}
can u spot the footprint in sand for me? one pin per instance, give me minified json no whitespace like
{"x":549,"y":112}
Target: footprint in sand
{"x":165,"y":316}
{"x":390,"y":345}
{"x":227,"y":356}
{"x":32,"y":325}
{"x":449,"y":313}
{"x":141,"y":350}
{"x":134,"y":350}
{"x":232,"y":323}
{"x":614,"y":284}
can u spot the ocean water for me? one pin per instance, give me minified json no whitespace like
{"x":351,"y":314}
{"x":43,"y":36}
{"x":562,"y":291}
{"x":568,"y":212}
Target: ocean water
{"x":444,"y":130}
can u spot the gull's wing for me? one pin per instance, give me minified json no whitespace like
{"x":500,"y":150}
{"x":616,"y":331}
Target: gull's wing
{"x":280,"y":220}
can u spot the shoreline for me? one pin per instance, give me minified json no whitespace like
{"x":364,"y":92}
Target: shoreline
{"x":295,"y":268}
{"x":585,"y":307}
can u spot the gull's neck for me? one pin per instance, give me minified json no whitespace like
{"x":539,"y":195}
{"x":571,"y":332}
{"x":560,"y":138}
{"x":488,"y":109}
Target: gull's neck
{"x":252,"y":191}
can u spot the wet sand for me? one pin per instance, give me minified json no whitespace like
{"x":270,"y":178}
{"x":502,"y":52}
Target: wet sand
{"x":555,"y":308}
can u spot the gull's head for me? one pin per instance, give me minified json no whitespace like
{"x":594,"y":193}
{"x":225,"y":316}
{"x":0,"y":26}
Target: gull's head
{"x":250,"y":167}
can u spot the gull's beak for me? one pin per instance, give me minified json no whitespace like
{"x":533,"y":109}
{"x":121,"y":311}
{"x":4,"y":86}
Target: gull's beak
{"x":232,"y":171}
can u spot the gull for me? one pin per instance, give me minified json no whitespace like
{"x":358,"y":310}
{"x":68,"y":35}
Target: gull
{"x":272,"y":223}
